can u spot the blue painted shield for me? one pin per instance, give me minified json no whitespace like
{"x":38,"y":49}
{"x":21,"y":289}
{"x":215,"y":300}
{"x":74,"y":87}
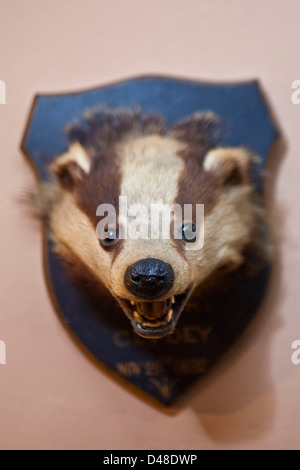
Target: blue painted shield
{"x":163,"y":368}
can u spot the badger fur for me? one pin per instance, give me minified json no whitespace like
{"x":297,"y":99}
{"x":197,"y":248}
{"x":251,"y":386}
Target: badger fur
{"x":120,"y":152}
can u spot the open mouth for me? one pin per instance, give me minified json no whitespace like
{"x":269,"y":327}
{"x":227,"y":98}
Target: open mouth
{"x":155,"y":319}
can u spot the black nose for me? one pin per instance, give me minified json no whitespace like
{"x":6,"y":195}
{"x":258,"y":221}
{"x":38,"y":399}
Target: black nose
{"x":149,"y":278}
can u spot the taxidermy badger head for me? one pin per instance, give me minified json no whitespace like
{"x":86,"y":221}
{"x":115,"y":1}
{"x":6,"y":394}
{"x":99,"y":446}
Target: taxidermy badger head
{"x":115,"y":153}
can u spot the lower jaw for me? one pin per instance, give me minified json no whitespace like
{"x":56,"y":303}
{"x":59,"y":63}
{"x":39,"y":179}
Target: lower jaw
{"x":165,"y":327}
{"x":153,"y":333}
{"x":160,"y":328}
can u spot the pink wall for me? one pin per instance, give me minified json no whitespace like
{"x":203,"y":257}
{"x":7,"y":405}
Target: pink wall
{"x":52,"y":395}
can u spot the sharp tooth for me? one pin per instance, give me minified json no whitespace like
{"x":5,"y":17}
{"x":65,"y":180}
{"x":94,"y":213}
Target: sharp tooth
{"x":132,"y":302}
{"x":137,"y":316}
{"x":169,"y":315}
{"x":173,"y":299}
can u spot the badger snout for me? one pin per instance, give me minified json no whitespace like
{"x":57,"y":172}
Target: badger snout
{"x":152,"y":291}
{"x":149,"y":278}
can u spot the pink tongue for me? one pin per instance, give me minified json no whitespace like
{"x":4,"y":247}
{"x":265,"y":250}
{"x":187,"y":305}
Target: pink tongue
{"x":152,"y":310}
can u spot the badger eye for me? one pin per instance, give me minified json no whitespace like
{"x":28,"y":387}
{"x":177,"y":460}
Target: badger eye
{"x":188,"y":232}
{"x":109,"y":237}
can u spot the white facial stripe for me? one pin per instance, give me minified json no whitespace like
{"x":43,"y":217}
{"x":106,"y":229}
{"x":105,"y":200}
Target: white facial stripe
{"x":150,"y":170}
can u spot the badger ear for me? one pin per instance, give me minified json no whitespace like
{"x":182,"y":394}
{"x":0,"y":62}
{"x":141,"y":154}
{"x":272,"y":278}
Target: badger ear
{"x":71,"y":167}
{"x":229,"y":165}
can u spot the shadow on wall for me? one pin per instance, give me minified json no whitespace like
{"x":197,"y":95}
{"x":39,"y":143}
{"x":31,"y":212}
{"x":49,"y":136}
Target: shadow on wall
{"x":223,"y":400}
